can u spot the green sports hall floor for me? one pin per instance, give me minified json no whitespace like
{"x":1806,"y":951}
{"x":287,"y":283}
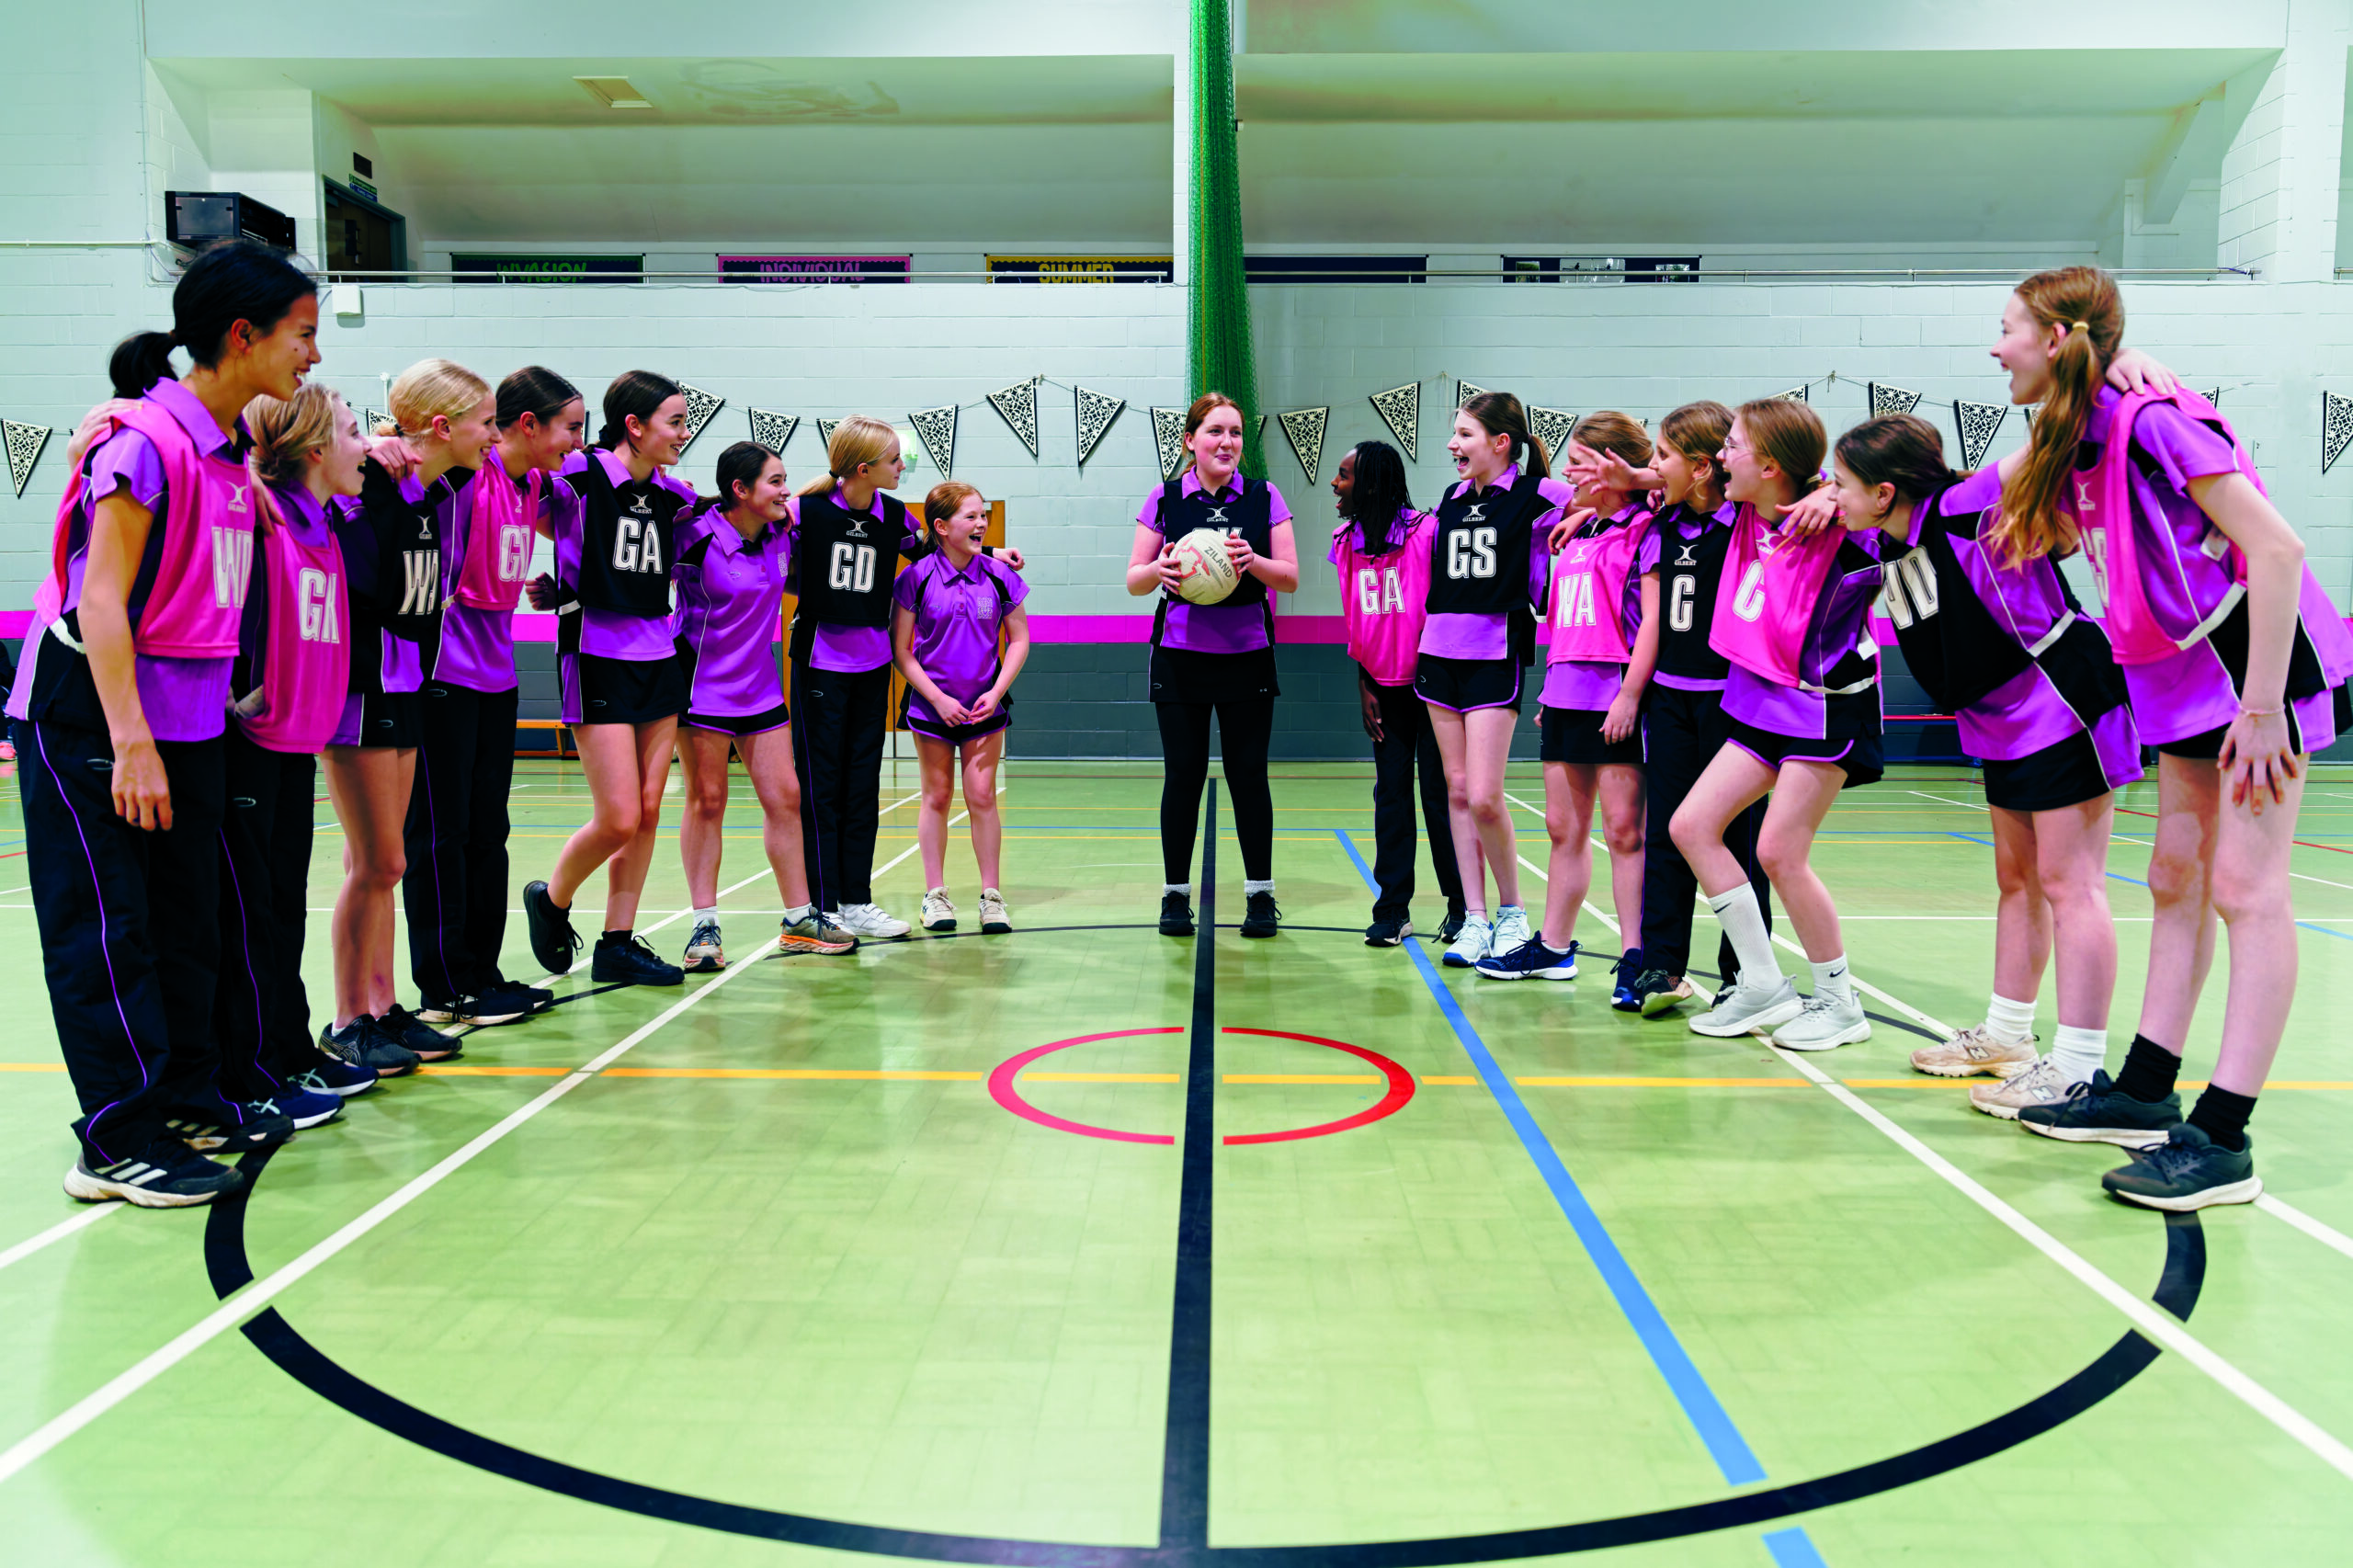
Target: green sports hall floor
{"x":768,"y":1270}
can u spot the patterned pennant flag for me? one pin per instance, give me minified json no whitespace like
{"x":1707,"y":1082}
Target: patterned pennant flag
{"x":1465,"y":390}
{"x":825,"y":428}
{"x":1401,"y":409}
{"x":773,"y":430}
{"x":1168,"y":438}
{"x":2336,"y":431}
{"x":372,"y":420}
{"x":1018,"y":405}
{"x":1795,"y":394}
{"x":1552,"y":427}
{"x":700,"y":406}
{"x":1304,"y":428}
{"x":2215,"y":397}
{"x":936,"y":427}
{"x":2029,"y":410}
{"x":25,"y":442}
{"x":1096,"y":412}
{"x":1978,"y":423}
{"x":1886,"y":399}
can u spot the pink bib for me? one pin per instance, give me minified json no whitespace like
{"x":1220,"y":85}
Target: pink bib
{"x":498,"y":540}
{"x":1771,"y":584}
{"x":2103,"y":508}
{"x":306,"y":665}
{"x":1384,"y":600}
{"x":198,"y":597}
{"x":1590,"y":619}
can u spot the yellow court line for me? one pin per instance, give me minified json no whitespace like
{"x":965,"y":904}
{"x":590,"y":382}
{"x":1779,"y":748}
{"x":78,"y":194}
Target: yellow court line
{"x":1102,"y":1078}
{"x":1305,"y":1078}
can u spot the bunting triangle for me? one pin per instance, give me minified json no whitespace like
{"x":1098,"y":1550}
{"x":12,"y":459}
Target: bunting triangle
{"x":1095,"y":411}
{"x":1552,"y":427}
{"x":372,"y":420}
{"x":1168,"y":439}
{"x":773,"y":430}
{"x":25,"y":442}
{"x":1401,"y":409}
{"x":1978,"y":424}
{"x":1304,"y":428}
{"x":700,"y":406}
{"x":2030,"y":410}
{"x":1017,"y":404}
{"x":1795,"y":394}
{"x":2215,"y":397}
{"x":2336,"y":431}
{"x":1886,"y":399}
{"x":825,"y":428}
{"x":1465,"y":390}
{"x":936,"y":427}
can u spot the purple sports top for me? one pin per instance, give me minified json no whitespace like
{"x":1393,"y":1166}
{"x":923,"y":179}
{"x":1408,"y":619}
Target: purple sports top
{"x":610,"y":634}
{"x":1838,"y":654}
{"x":185,"y":700}
{"x":958,"y":616}
{"x":477,"y":648}
{"x":731,"y":601}
{"x":852,"y":650}
{"x":1213,"y":628}
{"x":1489,"y":636}
{"x":1592,"y":685}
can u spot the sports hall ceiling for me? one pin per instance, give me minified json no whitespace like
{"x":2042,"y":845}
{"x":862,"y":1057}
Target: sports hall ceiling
{"x":1385,"y":123}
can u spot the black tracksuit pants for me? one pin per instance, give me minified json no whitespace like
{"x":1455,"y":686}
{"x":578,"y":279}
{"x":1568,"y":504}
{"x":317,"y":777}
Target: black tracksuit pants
{"x":127,"y":937}
{"x":1245,"y":731}
{"x":261,"y":1016}
{"x":837,"y":723}
{"x":1682,"y":733}
{"x":455,"y":890}
{"x":1407,"y":742}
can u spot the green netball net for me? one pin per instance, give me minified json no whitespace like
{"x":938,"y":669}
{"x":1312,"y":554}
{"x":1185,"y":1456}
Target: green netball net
{"x":1218,"y":356}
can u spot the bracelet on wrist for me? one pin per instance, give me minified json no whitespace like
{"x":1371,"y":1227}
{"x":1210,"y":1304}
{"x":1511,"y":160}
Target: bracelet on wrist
{"x":2261,"y":712}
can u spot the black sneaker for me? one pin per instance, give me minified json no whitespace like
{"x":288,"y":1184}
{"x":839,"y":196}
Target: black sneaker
{"x":1259,"y":916}
{"x":361,"y":1043}
{"x":304,"y":1108}
{"x":416,"y":1036}
{"x":1658,"y":991}
{"x":1176,"y":914}
{"x":1388,"y":932}
{"x":231,"y":1129}
{"x":1451,"y":928}
{"x":164,"y":1174}
{"x":542,"y":997}
{"x":553,"y":941}
{"x":507,"y":1001}
{"x":1626,"y":973}
{"x":2096,"y":1113}
{"x":333,"y":1076}
{"x":2188,"y":1170}
{"x":632,"y":962}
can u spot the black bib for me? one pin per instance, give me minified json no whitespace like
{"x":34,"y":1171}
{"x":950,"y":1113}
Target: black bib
{"x":392,"y":547}
{"x":1251,"y":515}
{"x":1479,"y":550}
{"x":1953,"y":645}
{"x":1690,"y":573}
{"x":626,"y":535}
{"x":843,"y":566}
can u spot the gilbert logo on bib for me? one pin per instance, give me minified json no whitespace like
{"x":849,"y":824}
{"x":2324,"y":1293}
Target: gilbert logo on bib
{"x":1590,"y":619}
{"x":1773,"y":582}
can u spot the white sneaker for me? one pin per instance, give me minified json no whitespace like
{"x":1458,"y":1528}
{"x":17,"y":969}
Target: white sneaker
{"x":1746,"y":1008}
{"x":2040,"y":1084}
{"x":1824,"y":1023}
{"x":1476,"y":941}
{"x":939,"y":912}
{"x":995,"y":921}
{"x":870,"y":920}
{"x":1511,"y":932}
{"x":1975,"y":1050}
{"x":705,"y":955}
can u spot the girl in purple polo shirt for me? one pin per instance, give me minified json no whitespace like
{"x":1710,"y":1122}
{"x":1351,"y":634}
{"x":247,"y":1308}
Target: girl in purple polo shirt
{"x":120,"y":703}
{"x":622,"y":681}
{"x":945,"y":638}
{"x":733,"y":557}
{"x":456,"y":835}
{"x":1215,"y":660}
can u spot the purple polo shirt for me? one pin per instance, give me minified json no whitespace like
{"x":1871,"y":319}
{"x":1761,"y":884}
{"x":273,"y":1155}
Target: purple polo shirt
{"x":958,"y":615}
{"x":1213,"y":628}
{"x":730,"y":595}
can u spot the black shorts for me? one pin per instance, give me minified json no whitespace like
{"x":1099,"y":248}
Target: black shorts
{"x":1464,"y":686}
{"x":2207,"y":745}
{"x":960,"y":734}
{"x":1574,"y":736}
{"x":390,"y":719}
{"x":2064,"y":773}
{"x":1864,"y":756}
{"x":1181,"y":675}
{"x":598,"y":690}
{"x":759,"y":724}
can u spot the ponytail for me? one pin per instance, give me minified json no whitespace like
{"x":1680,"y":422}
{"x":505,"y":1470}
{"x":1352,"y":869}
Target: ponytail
{"x":1500,"y":414}
{"x":1901,"y":450}
{"x":1789,"y":435}
{"x":739,"y":464}
{"x":140,"y":361}
{"x":236,"y":280}
{"x":2084,"y":301}
{"x":858,"y":441}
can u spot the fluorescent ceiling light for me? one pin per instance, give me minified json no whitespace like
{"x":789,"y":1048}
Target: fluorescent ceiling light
{"x":614,"y":92}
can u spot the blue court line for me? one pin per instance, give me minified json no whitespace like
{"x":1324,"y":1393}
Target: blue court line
{"x":2120,"y":877}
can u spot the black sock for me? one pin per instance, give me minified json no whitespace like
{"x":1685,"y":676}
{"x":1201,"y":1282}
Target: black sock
{"x":2149,"y":1070}
{"x":2221,"y":1116}
{"x":615,"y":937}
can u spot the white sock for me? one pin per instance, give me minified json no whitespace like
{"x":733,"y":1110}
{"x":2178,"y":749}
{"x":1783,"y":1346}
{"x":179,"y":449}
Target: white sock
{"x":1185,"y":889}
{"x":1249,"y":887}
{"x":703,"y":915}
{"x":1744,"y":922}
{"x":2077,"y":1054}
{"x":2009,"y":1022}
{"x":1830,"y":980}
{"x":799,"y":913}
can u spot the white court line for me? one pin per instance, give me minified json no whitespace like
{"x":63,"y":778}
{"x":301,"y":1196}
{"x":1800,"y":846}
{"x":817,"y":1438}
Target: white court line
{"x":2277,"y":1209}
{"x":1547,"y":880}
{"x":253,"y":1297}
{"x":2150,"y":1320}
{"x":2300,"y":875}
{"x":911,"y":848}
{"x":1946,"y":798}
{"x":59,"y":1231}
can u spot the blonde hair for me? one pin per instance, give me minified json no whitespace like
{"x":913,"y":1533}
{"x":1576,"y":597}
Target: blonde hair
{"x":1789,"y":435}
{"x":1619,"y":434}
{"x":1697,"y":430}
{"x":860,"y":439}
{"x":287,"y":430}
{"x":431,"y":389}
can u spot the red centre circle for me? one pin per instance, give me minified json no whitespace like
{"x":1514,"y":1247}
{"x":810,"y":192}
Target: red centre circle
{"x":1003,"y":1078}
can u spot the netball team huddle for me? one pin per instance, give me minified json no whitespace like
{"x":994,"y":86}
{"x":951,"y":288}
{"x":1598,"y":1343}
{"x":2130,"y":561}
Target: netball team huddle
{"x":245,"y":582}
